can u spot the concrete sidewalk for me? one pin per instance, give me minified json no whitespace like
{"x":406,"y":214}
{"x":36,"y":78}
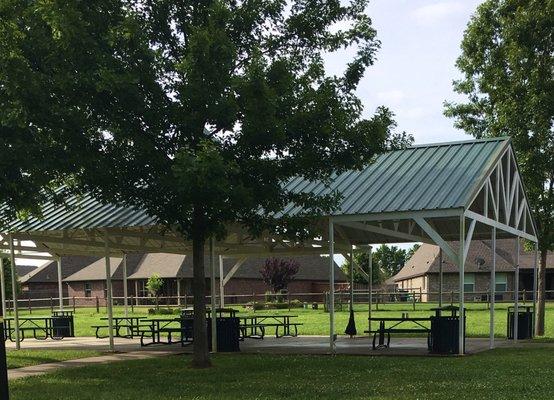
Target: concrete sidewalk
{"x":41,"y":369}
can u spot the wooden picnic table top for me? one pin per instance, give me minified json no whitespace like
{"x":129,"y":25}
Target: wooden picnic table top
{"x":123,"y":318}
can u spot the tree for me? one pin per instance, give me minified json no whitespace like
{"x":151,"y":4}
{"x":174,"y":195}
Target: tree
{"x":278,"y":273}
{"x":154,"y":285}
{"x":386,"y":262}
{"x":507,"y":63}
{"x":8,"y":279}
{"x":196,"y":112}
{"x":412,"y":250}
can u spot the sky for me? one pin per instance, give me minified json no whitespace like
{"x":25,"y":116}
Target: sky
{"x":413,"y":73}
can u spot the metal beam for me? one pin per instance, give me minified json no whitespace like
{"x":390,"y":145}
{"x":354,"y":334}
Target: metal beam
{"x":499,"y":225}
{"x":468,"y":238}
{"x":331,"y":287}
{"x":233,"y":270}
{"x":399,"y":215}
{"x":384,"y":231}
{"x":436,"y":237}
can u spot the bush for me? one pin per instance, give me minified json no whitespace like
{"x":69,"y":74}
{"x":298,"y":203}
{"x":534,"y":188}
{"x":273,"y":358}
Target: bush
{"x":163,"y":311}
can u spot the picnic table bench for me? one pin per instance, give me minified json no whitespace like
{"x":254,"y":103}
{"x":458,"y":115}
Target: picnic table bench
{"x":399,"y":325}
{"x":254,"y":326}
{"x":132,"y":325}
{"x":157,"y":329}
{"x":39,"y":328}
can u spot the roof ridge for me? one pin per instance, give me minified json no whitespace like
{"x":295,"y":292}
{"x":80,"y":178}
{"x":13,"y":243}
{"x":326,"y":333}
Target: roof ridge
{"x":459,"y":142}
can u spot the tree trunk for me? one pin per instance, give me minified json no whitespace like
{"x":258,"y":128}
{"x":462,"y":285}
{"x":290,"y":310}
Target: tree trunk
{"x":541,"y":295}
{"x":201,"y":358}
{"x":4,"y":392}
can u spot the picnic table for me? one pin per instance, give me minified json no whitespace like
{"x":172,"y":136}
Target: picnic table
{"x":132,"y":325}
{"x":41,"y":328}
{"x":254,"y":326}
{"x":159,"y":328}
{"x":398,"y":325}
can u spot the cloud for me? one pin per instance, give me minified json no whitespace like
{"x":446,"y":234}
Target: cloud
{"x":393,"y":96}
{"x":435,"y":12}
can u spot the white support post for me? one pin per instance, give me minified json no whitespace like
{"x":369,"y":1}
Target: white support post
{"x":213,"y":293}
{"x":440,"y":277}
{"x":14,"y":295}
{"x":109,"y":303}
{"x":535,"y":276}
{"x":136,"y":293}
{"x":492,"y":290}
{"x":125,"y":288}
{"x":351,"y":260}
{"x":516,"y":292}
{"x":3,"y":286}
{"x":221,"y":283}
{"x":370,"y":284}
{"x":179,"y":292}
{"x":331,"y":287}
{"x":60,"y":286}
{"x":461,"y":268}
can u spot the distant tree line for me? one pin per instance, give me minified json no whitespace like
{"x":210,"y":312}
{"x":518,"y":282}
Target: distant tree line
{"x":386,"y":262}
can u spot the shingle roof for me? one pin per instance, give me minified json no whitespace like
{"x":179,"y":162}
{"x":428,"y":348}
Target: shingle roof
{"x":97,"y":269}
{"x":23,"y":270}
{"x":426,"y":259}
{"x":426,"y":177}
{"x":49,"y":272}
{"x":174,"y":265}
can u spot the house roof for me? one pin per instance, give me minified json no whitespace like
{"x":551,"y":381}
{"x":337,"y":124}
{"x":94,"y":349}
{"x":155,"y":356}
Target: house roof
{"x":180,"y":266}
{"x":96,"y":270}
{"x":23,"y":270}
{"x":426,"y":259}
{"x":48,"y":272}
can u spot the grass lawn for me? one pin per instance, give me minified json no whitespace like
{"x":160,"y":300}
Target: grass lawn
{"x":499,"y":374}
{"x":26,"y":357}
{"x":316,"y":322}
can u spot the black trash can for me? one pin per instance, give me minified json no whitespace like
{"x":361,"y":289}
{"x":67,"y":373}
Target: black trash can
{"x":186,"y":330}
{"x":63,"y":327}
{"x":228,"y":335}
{"x":525,"y":329}
{"x":444,"y":337}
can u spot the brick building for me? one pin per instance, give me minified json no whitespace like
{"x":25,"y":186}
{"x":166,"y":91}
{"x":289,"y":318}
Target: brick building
{"x":421,"y":272}
{"x":176,"y":271}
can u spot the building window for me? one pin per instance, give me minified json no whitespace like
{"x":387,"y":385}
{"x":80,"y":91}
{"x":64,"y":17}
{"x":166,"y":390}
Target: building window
{"x":469,"y":283}
{"x":501,"y":282}
{"x":88,"y":289}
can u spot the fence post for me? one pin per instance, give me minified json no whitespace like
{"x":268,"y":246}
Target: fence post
{"x":524,"y":296}
{"x":378,"y":298}
{"x":132,"y":305}
{"x":288,"y":298}
{"x":97,"y":305}
{"x":420,"y":294}
{"x":451,"y":297}
{"x":74,"y":304}
{"x":413,"y":300}
{"x":51,"y":305}
{"x":30,"y":311}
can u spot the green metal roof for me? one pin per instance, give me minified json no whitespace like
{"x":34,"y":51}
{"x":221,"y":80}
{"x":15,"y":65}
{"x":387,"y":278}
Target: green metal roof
{"x":426,"y":177}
